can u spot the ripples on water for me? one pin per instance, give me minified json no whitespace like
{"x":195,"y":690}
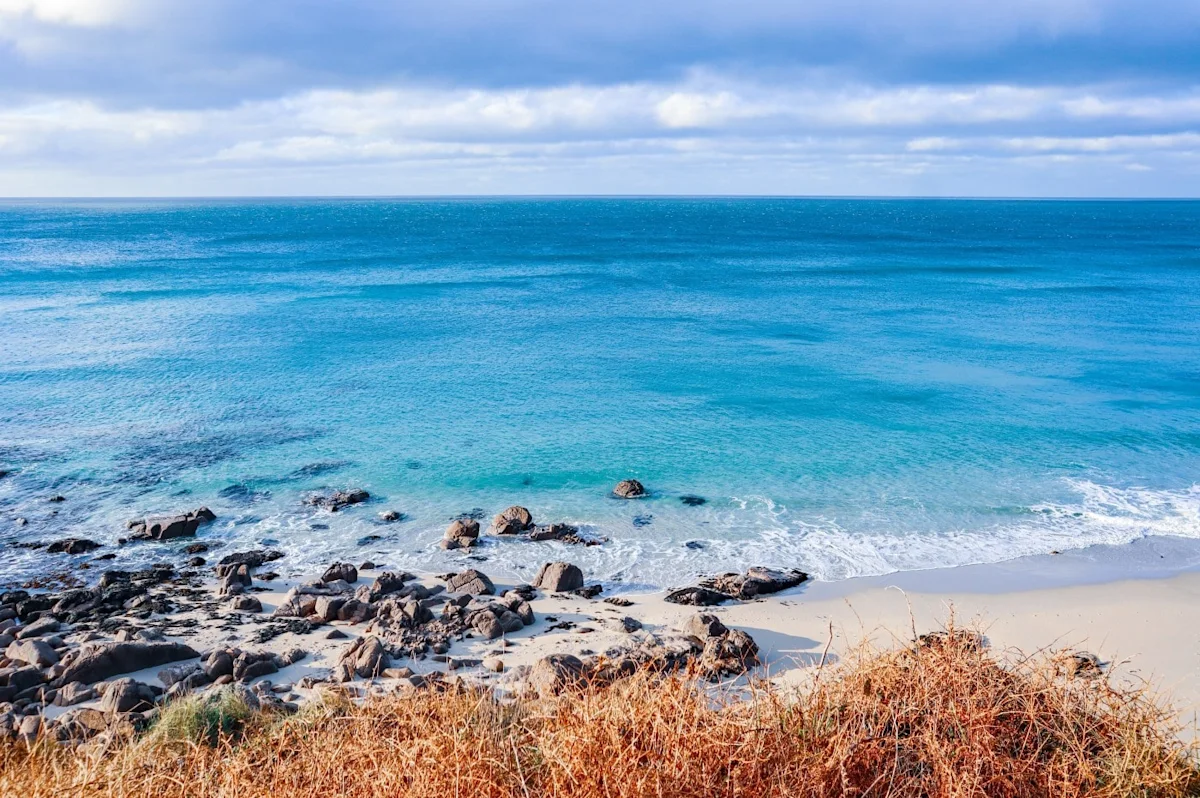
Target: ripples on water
{"x":854,"y":386}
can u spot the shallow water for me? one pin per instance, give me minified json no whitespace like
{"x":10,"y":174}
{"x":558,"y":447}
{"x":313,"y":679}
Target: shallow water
{"x":854,"y":386}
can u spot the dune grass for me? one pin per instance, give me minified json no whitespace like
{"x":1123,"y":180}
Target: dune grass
{"x":938,"y":720}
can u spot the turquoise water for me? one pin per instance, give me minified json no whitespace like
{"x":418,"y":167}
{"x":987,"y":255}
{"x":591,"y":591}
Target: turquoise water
{"x":854,"y":386}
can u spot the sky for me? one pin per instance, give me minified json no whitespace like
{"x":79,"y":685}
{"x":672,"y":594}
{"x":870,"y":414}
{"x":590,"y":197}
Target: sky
{"x":1089,"y":98}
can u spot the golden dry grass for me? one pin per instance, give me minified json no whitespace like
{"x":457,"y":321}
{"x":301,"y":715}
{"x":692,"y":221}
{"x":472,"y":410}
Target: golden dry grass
{"x":941,"y":720}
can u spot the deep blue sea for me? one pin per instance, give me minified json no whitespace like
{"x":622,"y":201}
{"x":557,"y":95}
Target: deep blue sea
{"x":853,"y":386}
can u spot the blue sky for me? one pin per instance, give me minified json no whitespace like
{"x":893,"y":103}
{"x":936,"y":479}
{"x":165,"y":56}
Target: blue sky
{"x":268,"y":97}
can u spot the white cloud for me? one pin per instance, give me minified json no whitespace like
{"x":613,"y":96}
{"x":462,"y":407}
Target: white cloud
{"x":87,"y":13}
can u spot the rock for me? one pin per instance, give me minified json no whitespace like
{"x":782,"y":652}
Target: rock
{"x":559,"y":577}
{"x":512,"y":521}
{"x":339,"y":499}
{"x":254,"y":558}
{"x":327,"y":607}
{"x":29,"y":727}
{"x":336,"y":634}
{"x":388,"y":516}
{"x":37,"y":653}
{"x":630,"y":625}
{"x":367,"y":657}
{"x":463,"y":532}
{"x":127,"y":695}
{"x":703,"y":626}
{"x":94,"y":662}
{"x":487,"y":624}
{"x":387,"y":583}
{"x":733,"y":652}
{"x":472,"y":582}
{"x":39,"y":628}
{"x":755,"y":582}
{"x":235,"y":581}
{"x":589,"y":592}
{"x":172,"y":527}
{"x":697,"y":596}
{"x":219,"y":663}
{"x":81,"y":724}
{"x":291,"y":657}
{"x":555,"y":674}
{"x":493,"y":664}
{"x":180,"y":673}
{"x":73,"y":693}
{"x":196,"y":562}
{"x":355,"y":611}
{"x":340,"y":570}
{"x":245,"y":604}
{"x":57,"y":499}
{"x":629,"y":489}
{"x":72,"y":546}
{"x":693,"y":501}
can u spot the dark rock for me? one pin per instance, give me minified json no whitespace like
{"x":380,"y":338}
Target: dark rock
{"x":733,"y":652}
{"x":629,"y":489}
{"x":694,"y":545}
{"x":171,"y":527}
{"x":39,"y":628}
{"x":94,"y":662}
{"x":697,"y":597}
{"x":340,"y":570}
{"x":72,"y":546}
{"x":254,"y":558}
{"x":367,"y":540}
{"x":472,"y":582}
{"x":389,"y":516}
{"x":693,"y":501}
{"x":559,"y":577}
{"x":755,"y":582}
{"x":617,"y":601}
{"x":195,"y":548}
{"x":57,"y":499}
{"x":589,"y":592}
{"x":340,"y":499}
{"x":640,"y":521}
{"x":630,"y":625}
{"x":196,"y":562}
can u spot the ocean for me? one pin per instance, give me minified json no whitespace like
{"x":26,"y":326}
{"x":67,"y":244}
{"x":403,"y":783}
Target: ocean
{"x":852,"y":386}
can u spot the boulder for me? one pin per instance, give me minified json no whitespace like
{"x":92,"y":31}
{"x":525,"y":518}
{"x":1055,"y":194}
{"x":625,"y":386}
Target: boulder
{"x":73,"y":693}
{"x":629,"y":489}
{"x":72,"y":546}
{"x":367,"y":657}
{"x":236,"y":580}
{"x":39,"y":628}
{"x":254,"y":558}
{"x":555,"y":674}
{"x":340,"y":570}
{"x":755,"y":582}
{"x":37,"y":653}
{"x":559,"y":577}
{"x":245,"y":604}
{"x":81,"y":724}
{"x":512,"y":521}
{"x":127,"y":695}
{"x":703,"y":626}
{"x":94,"y":662}
{"x":697,"y":597}
{"x":463,"y":533}
{"x":471,"y":582}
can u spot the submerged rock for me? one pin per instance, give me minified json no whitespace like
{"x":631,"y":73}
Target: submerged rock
{"x":339,"y":499}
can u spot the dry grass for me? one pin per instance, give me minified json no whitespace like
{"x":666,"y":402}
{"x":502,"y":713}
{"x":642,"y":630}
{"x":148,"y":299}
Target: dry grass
{"x":940,"y":720}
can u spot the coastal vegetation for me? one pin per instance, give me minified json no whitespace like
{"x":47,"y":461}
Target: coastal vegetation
{"x":942,"y":716}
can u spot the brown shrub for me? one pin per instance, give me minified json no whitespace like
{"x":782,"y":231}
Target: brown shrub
{"x":941,"y":719}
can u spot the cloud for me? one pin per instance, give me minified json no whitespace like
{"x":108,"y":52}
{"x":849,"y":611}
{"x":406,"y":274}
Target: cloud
{"x":66,"y":12}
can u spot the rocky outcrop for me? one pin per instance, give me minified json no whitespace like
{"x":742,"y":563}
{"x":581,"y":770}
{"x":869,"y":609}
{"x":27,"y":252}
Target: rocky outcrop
{"x":461,"y":534}
{"x":697,"y":597}
{"x":339,"y":499}
{"x":629,"y":489}
{"x":128,"y":695}
{"x":72,"y":546}
{"x":755,"y":582}
{"x":94,"y":662}
{"x":512,"y":521}
{"x":169,"y":528}
{"x":559,"y":577}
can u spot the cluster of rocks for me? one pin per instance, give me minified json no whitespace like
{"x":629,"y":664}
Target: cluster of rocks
{"x":703,"y":645}
{"x":733,"y":586}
